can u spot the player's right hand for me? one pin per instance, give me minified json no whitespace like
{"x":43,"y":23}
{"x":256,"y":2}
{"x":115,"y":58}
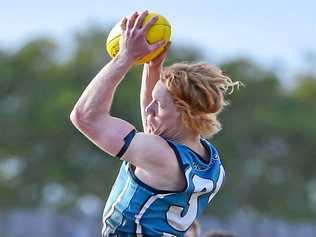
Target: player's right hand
{"x":159,"y":60}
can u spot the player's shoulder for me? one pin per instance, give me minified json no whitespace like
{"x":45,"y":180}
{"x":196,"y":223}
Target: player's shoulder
{"x":151,"y":144}
{"x":148,"y":150}
{"x":146,"y":138}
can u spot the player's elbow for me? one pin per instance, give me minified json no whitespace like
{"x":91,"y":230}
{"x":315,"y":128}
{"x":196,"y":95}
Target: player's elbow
{"x":78,"y":118}
{"x":75,"y":117}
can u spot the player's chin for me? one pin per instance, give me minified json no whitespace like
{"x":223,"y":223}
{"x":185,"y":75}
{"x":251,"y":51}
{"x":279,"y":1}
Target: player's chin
{"x":151,"y":129}
{"x":158,"y":132}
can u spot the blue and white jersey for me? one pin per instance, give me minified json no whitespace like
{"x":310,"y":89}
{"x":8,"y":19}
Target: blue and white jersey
{"x":134,"y":208}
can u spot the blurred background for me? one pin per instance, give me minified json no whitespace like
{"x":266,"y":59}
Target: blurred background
{"x":54,"y":182}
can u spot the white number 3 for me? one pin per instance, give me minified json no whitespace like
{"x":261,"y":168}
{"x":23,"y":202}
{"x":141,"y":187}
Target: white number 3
{"x":201,"y":186}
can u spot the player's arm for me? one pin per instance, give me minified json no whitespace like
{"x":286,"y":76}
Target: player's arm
{"x":115,"y":136}
{"x":119,"y":139}
{"x":150,"y":76}
{"x":91,"y":114}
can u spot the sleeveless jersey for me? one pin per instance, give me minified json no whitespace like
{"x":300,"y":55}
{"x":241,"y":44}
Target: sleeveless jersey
{"x":136,"y":209}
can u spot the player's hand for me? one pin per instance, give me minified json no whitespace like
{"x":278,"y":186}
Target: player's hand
{"x":159,"y":60}
{"x":134,"y":45}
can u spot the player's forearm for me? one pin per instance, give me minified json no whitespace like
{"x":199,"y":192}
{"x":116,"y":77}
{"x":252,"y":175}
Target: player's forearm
{"x":149,"y":78}
{"x":98,"y":95}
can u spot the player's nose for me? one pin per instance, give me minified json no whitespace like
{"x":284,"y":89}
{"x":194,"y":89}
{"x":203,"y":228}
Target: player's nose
{"x":150,"y":110}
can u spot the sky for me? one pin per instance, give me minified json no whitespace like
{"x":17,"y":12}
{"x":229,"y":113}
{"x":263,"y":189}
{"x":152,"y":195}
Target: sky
{"x":275,"y":33}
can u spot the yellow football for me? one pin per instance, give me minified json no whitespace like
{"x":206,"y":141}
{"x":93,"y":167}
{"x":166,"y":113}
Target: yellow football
{"x":160,"y":30}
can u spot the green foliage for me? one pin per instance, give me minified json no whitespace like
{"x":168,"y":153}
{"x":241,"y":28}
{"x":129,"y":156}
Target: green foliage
{"x":267,"y":143}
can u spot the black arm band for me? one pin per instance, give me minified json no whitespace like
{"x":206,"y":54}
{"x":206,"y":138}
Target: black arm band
{"x":127,"y":141}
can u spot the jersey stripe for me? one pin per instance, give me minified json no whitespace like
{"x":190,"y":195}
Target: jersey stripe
{"x":113,"y":205}
{"x":218,"y":183}
{"x":150,"y":201}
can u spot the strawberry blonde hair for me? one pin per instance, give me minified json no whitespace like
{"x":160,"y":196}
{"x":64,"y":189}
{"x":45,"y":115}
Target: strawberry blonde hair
{"x":198,"y":93}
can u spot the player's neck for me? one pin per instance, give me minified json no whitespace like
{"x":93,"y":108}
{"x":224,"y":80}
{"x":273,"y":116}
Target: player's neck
{"x":190,"y":140}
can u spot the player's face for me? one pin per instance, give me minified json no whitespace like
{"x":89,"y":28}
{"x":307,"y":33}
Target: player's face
{"x":161,"y":114}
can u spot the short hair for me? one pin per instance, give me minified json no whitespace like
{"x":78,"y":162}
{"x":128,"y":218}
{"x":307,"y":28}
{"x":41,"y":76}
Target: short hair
{"x":198,"y":93}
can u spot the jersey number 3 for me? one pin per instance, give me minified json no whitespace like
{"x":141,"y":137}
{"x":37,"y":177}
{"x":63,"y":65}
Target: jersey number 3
{"x":201,"y":186}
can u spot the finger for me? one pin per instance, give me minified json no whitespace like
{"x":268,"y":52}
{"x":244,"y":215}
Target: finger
{"x":131,"y":20}
{"x":157,"y":45}
{"x":149,"y":24}
{"x":123,"y":24}
{"x":167,"y":47}
{"x":140,"y":20}
{"x":161,"y":57}
{"x":165,"y":50}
